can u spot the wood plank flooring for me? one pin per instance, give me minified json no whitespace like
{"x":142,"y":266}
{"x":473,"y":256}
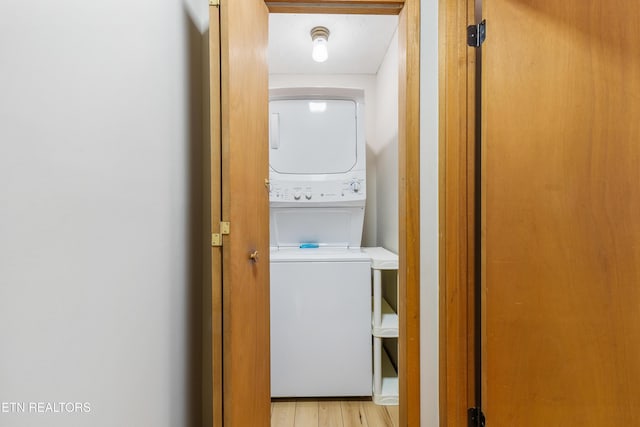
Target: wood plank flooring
{"x":332,"y":413}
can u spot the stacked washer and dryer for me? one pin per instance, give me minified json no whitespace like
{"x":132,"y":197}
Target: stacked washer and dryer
{"x":320,"y":278}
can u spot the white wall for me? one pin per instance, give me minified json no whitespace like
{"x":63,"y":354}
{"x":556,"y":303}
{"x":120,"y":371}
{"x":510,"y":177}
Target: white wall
{"x":386,"y":148}
{"x":366,"y":82}
{"x":429,"y":237}
{"x":100,"y":181}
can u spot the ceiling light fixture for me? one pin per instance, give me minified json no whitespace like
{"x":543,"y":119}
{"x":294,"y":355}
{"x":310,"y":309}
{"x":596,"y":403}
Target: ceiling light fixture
{"x":319,"y":37}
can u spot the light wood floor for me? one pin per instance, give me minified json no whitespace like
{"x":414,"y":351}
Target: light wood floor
{"x":332,"y":413}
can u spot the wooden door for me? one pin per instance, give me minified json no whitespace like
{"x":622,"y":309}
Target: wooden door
{"x":243,"y":94}
{"x":561,"y":208}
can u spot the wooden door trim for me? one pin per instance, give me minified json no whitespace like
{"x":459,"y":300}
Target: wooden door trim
{"x":457,"y":213}
{"x":360,"y":7}
{"x":216,"y":212}
{"x":409,"y":213}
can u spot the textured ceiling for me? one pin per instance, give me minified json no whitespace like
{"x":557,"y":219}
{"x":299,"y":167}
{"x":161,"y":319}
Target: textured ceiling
{"x":357,"y":43}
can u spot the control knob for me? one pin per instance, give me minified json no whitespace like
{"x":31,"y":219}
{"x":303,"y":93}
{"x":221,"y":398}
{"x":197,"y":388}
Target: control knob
{"x":308,"y":195}
{"x":297,"y":195}
{"x":355,"y":186}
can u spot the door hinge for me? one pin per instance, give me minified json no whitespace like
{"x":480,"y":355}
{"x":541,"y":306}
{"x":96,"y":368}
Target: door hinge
{"x":214,"y":3}
{"x":225,"y":227}
{"x":216,"y":238}
{"x":476,"y":34}
{"x":476,"y":417}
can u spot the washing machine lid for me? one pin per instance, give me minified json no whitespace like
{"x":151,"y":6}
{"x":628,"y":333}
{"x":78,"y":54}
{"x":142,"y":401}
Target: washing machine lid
{"x":321,"y":254}
{"x":324,"y":226}
{"x":313,"y":136}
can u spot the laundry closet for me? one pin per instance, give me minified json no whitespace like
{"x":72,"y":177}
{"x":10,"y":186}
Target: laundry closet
{"x":333,"y":191}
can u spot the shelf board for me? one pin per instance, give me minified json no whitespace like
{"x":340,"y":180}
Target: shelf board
{"x":389,"y":393}
{"x":382,"y":259}
{"x":389,"y":325}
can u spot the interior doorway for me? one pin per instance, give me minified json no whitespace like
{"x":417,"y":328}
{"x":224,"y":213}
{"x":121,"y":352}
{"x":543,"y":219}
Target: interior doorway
{"x":363,"y":56}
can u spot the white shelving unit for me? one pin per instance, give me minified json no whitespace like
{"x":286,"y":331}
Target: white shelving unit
{"x":384,"y":324}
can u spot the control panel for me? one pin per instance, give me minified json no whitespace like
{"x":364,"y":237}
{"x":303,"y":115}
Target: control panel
{"x":345,"y":189}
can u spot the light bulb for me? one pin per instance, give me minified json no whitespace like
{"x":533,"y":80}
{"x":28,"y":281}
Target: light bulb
{"x":319,"y":52}
{"x":319,"y":39}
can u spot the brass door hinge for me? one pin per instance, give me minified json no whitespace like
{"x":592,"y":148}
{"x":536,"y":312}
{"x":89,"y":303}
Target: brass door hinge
{"x":225,"y":227}
{"x":216,"y":238}
{"x":214,"y":3}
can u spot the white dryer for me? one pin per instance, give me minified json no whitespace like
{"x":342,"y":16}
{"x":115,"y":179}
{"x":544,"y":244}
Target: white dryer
{"x":320,"y":279}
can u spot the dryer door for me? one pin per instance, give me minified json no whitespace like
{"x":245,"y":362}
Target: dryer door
{"x":312,"y":136}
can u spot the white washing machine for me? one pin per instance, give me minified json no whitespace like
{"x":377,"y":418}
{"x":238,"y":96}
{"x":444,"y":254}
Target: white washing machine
{"x":320,"y":323}
{"x":320,"y":279}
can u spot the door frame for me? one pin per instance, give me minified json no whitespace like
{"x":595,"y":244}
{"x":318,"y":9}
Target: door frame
{"x":458,"y":343}
{"x":408,"y":197}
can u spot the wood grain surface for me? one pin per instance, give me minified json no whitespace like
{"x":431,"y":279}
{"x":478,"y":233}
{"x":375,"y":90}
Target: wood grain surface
{"x":245,"y":204}
{"x":332,"y":413}
{"x":561,"y":131}
{"x":409,"y":213}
